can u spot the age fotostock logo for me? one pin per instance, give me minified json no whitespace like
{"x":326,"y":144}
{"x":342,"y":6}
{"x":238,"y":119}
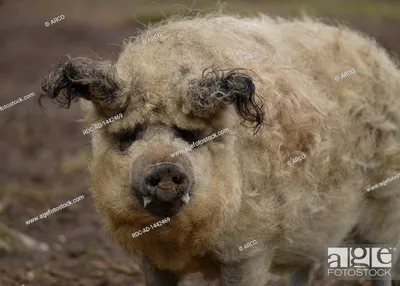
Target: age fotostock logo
{"x":353,"y":262}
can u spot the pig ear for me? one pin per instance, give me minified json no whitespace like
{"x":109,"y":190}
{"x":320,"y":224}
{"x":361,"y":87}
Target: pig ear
{"x":84,"y":78}
{"x":218,"y":88}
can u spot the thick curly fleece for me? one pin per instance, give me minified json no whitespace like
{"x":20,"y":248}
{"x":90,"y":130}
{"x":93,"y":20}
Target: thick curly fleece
{"x":349,"y":131}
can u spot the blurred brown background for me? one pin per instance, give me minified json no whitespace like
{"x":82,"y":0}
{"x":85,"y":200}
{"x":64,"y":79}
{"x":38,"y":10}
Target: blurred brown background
{"x":43,"y":156}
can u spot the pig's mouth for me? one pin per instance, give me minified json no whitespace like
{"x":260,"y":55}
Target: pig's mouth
{"x":165,"y":208}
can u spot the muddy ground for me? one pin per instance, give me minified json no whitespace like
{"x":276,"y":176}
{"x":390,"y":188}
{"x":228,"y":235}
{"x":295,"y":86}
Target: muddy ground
{"x":43,"y":154}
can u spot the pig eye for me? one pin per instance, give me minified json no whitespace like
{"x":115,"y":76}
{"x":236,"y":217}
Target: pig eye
{"x":127,"y":137}
{"x":188,"y":135}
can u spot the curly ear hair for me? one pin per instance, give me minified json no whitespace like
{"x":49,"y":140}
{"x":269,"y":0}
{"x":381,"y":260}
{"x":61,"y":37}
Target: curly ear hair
{"x":219,"y":88}
{"x":81,"y":78}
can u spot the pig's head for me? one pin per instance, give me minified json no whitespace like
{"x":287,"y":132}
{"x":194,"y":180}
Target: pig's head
{"x":166,"y":105}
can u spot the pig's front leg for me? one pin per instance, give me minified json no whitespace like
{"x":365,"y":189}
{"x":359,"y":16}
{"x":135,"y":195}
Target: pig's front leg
{"x":252,"y":271}
{"x":158,"y":277}
{"x":301,"y":277}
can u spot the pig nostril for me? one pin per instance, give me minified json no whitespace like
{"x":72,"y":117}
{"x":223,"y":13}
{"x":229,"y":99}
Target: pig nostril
{"x":177,"y":180}
{"x":154,"y":181}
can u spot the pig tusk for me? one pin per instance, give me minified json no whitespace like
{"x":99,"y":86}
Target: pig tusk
{"x":186,"y":198}
{"x":146,"y":201}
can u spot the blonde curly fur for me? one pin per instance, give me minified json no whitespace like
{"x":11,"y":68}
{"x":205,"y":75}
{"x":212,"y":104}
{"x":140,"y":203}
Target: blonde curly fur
{"x":349,"y":131}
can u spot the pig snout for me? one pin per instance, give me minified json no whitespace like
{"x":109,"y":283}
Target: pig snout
{"x":164,"y":188}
